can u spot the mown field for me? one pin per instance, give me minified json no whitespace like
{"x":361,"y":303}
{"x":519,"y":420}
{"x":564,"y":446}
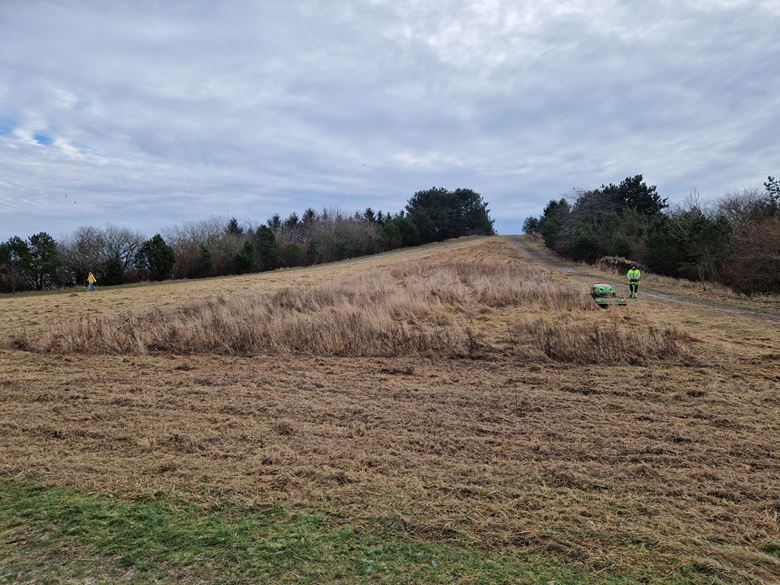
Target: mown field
{"x":458,"y":413}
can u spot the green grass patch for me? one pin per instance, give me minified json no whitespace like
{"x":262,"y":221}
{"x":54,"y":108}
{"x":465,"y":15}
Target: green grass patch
{"x":772,"y":548}
{"x":54,"y":535}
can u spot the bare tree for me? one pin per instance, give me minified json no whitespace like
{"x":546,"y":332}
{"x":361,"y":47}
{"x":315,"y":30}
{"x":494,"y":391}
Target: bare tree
{"x":123,"y":244}
{"x":84,"y":251}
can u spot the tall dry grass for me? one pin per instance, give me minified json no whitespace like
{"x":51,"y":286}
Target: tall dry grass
{"x":599,"y":343}
{"x":412,"y":309}
{"x":365,"y":316}
{"x":494,"y":285}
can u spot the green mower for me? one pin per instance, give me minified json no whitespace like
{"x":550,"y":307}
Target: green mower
{"x":605,"y":295}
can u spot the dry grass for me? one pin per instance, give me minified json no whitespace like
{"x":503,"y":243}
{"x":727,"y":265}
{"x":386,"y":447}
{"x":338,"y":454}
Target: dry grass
{"x":36,"y":312}
{"x":410,"y":310}
{"x":614,"y":467}
{"x":626,"y":468}
{"x":601,"y":343}
{"x":252,"y":325}
{"x":482,"y":284}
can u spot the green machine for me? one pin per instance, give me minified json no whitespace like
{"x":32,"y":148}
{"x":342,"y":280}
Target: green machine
{"x":605,"y":295}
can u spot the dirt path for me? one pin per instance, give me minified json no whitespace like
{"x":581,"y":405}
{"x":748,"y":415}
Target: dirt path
{"x":549,"y":259}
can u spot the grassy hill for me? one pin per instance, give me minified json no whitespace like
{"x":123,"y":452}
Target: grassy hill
{"x":458,"y":413}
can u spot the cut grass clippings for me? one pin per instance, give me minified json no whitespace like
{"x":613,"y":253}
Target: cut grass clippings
{"x":160,"y":540}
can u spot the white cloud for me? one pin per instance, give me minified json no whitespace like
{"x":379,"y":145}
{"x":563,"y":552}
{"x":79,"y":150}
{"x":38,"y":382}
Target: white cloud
{"x":64,"y":99}
{"x":165,"y":112}
{"x":67,"y":148}
{"x":24,"y":136}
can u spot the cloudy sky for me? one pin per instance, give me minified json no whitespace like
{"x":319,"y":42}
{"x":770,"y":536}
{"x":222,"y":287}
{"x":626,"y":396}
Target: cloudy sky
{"x":148,"y":114}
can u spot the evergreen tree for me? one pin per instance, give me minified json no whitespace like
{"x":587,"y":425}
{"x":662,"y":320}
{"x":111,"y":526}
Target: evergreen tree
{"x":155,"y":259}
{"x":292,"y":220}
{"x":552,"y":220}
{"x":391,"y":235}
{"x":530,"y":225}
{"x":266,"y":248}
{"x":633,"y":193}
{"x":431,"y":211}
{"x":205,"y":261}
{"x":291,"y":255}
{"x":14,"y":260}
{"x":688,"y":244}
{"x":44,"y":261}
{"x":274,"y":222}
{"x":111,"y":271}
{"x":233,"y":228}
{"x":440,"y":214}
{"x":410,"y":232}
{"x":585,"y":246}
{"x":309,"y":217}
{"x":472,"y":216}
{"x":244,"y":259}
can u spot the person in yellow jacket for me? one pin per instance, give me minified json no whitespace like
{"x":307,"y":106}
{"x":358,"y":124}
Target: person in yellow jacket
{"x":633,"y":282}
{"x":91,"y":282}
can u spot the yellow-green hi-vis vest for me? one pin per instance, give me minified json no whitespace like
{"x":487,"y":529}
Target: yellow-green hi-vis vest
{"x":634,"y":275}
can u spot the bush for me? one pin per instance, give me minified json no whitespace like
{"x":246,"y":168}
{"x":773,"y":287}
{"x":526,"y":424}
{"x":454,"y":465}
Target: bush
{"x":243,"y":261}
{"x":291,"y":255}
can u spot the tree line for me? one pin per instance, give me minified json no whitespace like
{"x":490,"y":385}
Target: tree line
{"x":218,"y":247}
{"x":734,"y":240}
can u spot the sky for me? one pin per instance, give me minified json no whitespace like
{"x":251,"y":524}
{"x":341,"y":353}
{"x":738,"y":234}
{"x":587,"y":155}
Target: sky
{"x":148,"y":114}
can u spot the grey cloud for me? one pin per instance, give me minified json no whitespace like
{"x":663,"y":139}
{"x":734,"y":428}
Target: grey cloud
{"x":168,"y":112}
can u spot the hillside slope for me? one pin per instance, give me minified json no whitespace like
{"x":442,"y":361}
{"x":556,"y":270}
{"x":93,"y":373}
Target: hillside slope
{"x":531,"y":439}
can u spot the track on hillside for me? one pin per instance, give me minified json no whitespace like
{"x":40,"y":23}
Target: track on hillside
{"x":551,"y":260}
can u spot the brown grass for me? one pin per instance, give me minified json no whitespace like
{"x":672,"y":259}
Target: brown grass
{"x":615,"y":466}
{"x":37,"y":312}
{"x":635,"y":469}
{"x":410,"y":310}
{"x":601,"y":343}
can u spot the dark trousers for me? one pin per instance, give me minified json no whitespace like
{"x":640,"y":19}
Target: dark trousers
{"x":633,"y":288}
